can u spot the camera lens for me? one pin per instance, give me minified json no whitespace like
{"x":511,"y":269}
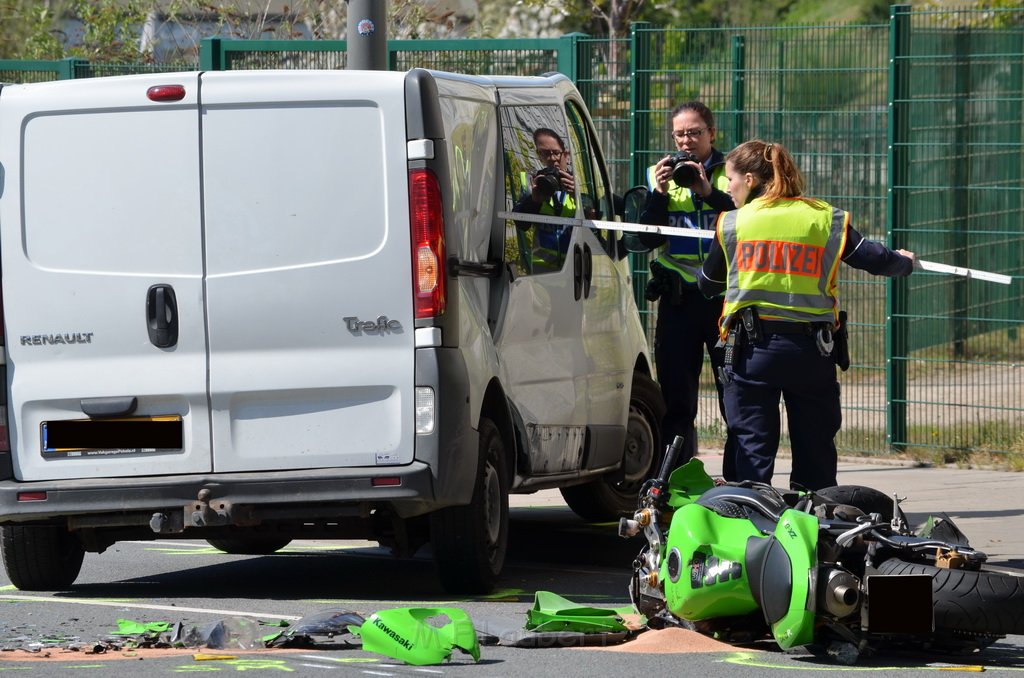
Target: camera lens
{"x":547,"y":180}
{"x":683,"y":174}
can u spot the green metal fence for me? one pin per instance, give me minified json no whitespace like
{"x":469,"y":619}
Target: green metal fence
{"x":914,"y":125}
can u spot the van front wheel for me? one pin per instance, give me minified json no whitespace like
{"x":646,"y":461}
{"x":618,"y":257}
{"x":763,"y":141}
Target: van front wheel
{"x":469,"y":541}
{"x":41,"y":557}
{"x":616,"y":494}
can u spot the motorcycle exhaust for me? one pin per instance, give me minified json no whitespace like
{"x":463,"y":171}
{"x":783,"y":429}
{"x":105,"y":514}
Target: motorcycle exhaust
{"x":840,"y":596}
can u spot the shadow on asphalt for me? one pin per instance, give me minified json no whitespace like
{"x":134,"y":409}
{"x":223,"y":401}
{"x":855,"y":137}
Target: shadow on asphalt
{"x":549,"y":549}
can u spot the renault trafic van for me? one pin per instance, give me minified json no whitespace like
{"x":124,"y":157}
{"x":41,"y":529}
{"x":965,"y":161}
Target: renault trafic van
{"x":254,"y":307}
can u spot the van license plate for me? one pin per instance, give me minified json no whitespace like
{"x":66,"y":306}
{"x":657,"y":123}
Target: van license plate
{"x":107,"y":437}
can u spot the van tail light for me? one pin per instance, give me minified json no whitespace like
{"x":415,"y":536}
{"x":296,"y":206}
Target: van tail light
{"x":426,"y":216}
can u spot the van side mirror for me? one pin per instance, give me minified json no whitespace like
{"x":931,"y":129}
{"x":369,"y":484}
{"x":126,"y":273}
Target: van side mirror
{"x":632,"y":206}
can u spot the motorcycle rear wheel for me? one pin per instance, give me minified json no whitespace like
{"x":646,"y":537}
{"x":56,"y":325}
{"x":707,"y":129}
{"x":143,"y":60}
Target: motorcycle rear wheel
{"x":977,"y":601}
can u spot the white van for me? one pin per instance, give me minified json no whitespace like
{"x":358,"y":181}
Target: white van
{"x":253,"y":307}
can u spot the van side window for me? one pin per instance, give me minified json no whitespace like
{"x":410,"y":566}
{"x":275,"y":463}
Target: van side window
{"x":539,"y":179}
{"x":595,"y":197}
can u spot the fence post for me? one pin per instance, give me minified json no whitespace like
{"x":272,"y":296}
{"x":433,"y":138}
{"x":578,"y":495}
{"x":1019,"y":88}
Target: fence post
{"x":961,"y":184}
{"x":896,"y":305}
{"x":739,"y":79}
{"x":211,"y":55}
{"x":640,"y":100}
{"x":574,"y":56}
{"x":67,"y":69}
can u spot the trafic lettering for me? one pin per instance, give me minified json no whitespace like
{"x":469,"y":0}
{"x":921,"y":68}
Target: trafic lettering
{"x":379,"y":326}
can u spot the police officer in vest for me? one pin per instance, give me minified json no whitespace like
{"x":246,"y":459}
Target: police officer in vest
{"x":687,"y":320}
{"x":776,"y":257}
{"x":552,"y":192}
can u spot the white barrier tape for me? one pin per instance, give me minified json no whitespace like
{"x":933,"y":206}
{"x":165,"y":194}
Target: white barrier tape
{"x":964,"y":272}
{"x":598,"y":225}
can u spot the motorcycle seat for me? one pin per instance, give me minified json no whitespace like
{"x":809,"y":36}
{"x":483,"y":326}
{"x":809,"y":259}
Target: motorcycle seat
{"x":763,"y":504}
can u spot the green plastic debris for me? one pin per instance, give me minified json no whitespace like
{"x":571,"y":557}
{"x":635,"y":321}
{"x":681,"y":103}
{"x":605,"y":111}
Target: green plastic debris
{"x":552,"y":612}
{"x":407,"y":635}
{"x":128,"y":627}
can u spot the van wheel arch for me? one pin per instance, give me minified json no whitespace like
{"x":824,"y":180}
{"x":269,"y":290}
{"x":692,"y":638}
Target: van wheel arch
{"x":616,"y":494}
{"x":495,"y":408}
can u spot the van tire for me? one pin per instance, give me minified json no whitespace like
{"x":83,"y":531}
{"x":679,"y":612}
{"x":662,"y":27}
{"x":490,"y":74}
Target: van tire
{"x":41,"y":557}
{"x":470,"y":541}
{"x":249,"y":546}
{"x":617,"y":494}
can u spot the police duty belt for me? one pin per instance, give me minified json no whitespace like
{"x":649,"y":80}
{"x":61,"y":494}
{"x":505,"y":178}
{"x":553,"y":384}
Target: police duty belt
{"x":598,"y":225}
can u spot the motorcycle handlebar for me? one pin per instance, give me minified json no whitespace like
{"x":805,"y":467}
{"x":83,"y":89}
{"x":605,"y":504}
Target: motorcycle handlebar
{"x":671,"y":454}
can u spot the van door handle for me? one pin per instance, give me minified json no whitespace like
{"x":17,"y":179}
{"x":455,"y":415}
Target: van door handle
{"x":577,"y":272}
{"x":588,"y":270}
{"x":162,"y":316}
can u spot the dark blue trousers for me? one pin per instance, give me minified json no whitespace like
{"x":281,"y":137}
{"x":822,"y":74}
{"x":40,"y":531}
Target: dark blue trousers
{"x":686,"y":327}
{"x":791,"y":367}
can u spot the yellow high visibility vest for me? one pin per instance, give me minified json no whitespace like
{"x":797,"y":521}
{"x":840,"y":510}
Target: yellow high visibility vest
{"x":782,"y":258}
{"x":681,"y":254}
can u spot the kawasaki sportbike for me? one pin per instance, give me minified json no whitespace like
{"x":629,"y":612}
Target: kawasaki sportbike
{"x":836,"y":570}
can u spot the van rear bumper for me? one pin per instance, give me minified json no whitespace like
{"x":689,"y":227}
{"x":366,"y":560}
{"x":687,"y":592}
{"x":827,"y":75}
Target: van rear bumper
{"x":306,"y":494}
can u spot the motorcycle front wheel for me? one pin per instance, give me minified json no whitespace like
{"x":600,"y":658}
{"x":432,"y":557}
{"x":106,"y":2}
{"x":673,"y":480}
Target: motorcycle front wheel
{"x":977,"y":601}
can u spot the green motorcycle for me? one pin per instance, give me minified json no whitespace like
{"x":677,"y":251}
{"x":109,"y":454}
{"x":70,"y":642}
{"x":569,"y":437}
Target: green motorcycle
{"x":837,"y":570}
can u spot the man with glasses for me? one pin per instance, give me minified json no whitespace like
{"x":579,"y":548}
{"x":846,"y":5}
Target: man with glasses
{"x":687,"y":322}
{"x":551,"y":192}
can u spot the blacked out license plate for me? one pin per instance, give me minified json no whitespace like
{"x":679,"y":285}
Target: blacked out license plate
{"x":110,"y":437}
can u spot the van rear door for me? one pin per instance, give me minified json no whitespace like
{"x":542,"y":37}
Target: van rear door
{"x":309,"y":293}
{"x":102,"y":278}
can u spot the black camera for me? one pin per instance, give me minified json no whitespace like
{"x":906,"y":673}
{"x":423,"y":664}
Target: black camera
{"x":548,"y":180}
{"x":684,"y":175}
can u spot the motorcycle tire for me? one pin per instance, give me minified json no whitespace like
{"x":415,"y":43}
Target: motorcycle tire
{"x":983,"y":601}
{"x":867,"y":499}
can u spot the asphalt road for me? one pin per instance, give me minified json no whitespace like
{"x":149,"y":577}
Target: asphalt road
{"x":551,"y":550}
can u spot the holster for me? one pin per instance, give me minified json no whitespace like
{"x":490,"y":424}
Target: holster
{"x":735,"y":338}
{"x":841,"y":350}
{"x":751,"y":324}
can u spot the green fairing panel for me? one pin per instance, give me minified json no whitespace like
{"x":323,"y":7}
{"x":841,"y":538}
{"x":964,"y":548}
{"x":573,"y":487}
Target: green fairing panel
{"x":708,"y":577}
{"x":798,"y":534}
{"x":552,"y":612}
{"x":405,"y":634}
{"x":687,"y":482}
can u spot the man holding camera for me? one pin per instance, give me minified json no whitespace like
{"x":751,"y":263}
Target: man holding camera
{"x":687,"y":190}
{"x":552,"y":192}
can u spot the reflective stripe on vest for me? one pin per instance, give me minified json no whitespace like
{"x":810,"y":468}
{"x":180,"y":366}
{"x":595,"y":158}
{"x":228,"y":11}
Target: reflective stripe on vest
{"x":681,"y":254}
{"x":782,"y":258}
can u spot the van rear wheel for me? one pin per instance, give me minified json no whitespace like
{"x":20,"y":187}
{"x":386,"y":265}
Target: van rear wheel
{"x":249,"y":546}
{"x":41,"y":557}
{"x":470,"y":541}
{"x":616,"y":494}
